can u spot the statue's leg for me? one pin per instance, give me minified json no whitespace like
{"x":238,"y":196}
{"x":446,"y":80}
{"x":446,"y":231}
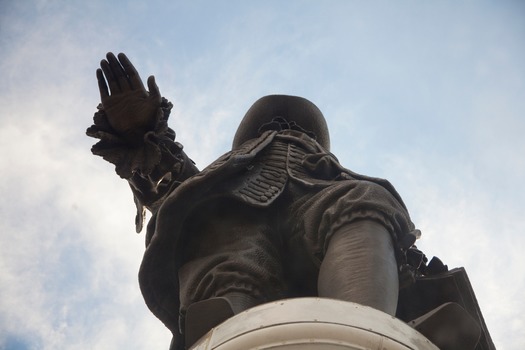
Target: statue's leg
{"x":360,"y":266}
{"x":232,"y":261}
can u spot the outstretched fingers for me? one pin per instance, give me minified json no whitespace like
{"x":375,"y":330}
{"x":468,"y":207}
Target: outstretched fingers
{"x":118,"y":75}
{"x":129,"y":69}
{"x":152,"y":87}
{"x":110,"y":77}
{"x":118,"y":72}
{"x":102,"y":86}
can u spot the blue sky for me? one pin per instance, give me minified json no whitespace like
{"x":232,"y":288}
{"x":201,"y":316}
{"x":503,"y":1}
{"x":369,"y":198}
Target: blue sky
{"x":428,"y":94}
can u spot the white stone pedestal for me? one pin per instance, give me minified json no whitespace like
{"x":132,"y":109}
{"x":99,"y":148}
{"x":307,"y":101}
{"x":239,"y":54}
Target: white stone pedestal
{"x":313,"y":323}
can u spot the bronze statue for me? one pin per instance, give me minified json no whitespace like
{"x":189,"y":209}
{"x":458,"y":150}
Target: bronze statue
{"x":276,"y":217}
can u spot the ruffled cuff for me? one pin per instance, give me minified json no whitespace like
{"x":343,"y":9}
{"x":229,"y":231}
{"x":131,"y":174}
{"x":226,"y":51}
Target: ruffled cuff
{"x":130,"y":158}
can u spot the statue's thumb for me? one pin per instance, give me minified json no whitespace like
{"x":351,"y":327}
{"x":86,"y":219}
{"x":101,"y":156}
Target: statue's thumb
{"x":152,"y":86}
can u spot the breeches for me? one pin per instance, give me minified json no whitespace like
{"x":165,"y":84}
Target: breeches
{"x":275,"y":252}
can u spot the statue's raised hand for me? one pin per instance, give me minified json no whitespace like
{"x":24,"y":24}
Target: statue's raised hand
{"x":131,"y":109}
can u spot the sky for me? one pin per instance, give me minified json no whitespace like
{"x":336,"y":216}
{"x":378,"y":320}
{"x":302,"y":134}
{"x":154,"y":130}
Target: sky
{"x":428,"y":94}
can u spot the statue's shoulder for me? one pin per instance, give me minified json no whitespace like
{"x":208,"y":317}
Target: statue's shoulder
{"x":242,"y":155}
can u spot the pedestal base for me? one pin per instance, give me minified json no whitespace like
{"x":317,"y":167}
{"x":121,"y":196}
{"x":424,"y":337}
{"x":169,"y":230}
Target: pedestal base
{"x":313,"y":323}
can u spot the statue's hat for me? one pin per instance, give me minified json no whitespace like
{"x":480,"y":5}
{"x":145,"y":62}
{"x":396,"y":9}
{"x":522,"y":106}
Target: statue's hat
{"x":294,"y":109}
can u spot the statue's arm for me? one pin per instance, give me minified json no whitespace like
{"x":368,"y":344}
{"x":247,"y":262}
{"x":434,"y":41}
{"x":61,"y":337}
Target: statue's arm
{"x":150,"y":188}
{"x":131,"y":124}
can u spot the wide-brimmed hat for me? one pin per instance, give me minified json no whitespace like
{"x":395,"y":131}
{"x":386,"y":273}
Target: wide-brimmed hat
{"x":294,"y":109}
